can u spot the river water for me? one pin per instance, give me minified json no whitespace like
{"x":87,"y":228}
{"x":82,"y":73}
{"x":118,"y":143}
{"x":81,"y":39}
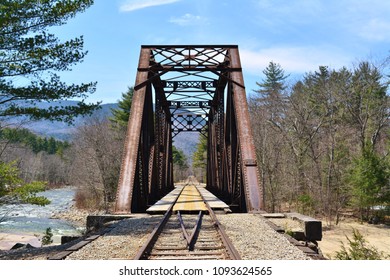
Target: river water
{"x":34,"y":220}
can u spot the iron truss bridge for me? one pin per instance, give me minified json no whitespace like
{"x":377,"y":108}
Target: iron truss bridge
{"x":194,"y":88}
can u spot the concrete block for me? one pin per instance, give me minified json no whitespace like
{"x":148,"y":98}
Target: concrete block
{"x":95,"y":222}
{"x":312,"y":227}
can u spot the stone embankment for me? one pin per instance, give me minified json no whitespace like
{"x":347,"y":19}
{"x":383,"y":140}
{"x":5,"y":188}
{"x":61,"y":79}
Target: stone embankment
{"x":76,"y":216}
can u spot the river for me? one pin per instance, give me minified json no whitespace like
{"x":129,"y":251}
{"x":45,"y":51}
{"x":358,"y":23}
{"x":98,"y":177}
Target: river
{"x":33,"y":220}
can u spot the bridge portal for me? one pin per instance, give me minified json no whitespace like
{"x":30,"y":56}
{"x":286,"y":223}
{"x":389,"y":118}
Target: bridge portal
{"x":189,"y":88}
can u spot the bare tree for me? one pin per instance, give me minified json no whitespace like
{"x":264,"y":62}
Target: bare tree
{"x":97,"y":155}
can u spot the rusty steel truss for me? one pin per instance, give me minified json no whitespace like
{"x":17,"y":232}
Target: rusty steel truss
{"x":189,"y":88}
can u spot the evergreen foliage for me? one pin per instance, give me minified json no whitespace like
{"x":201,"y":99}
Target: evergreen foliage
{"x":31,"y":58}
{"x":27,"y":193}
{"x":48,"y":237}
{"x":274,"y":81}
{"x":323,"y":144}
{"x":200,"y":155}
{"x":180,"y":164}
{"x":33,"y":141}
{"x":369,"y":179}
{"x":199,"y":159}
{"x":11,"y":184}
{"x":9,"y":176}
{"x":358,"y":249}
{"x":179,"y":158}
{"x":120,"y":115}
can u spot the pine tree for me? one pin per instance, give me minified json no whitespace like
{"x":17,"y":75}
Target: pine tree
{"x":179,"y":158}
{"x":199,"y":159}
{"x":274,"y":80}
{"x":271,"y":90}
{"x":369,"y":179}
{"x":51,"y":146}
{"x":120,"y":115}
{"x":31,"y":57}
{"x":200,"y":155}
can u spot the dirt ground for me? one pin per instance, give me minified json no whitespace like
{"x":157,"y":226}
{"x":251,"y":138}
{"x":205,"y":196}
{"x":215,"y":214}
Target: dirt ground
{"x":376,"y":235}
{"x":7,"y":240}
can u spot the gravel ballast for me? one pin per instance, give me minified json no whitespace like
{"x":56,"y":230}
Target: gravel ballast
{"x":250,"y":234}
{"x":253,"y":238}
{"x":122,"y":242}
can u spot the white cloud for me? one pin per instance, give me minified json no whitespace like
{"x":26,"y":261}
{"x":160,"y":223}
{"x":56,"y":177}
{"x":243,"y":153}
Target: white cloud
{"x":376,"y":30}
{"x":188,"y":19}
{"x":292,"y":59}
{"x":367,"y":19}
{"x":132,"y":5}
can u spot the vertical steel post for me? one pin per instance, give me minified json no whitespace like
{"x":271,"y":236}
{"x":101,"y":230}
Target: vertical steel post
{"x":128,"y":169}
{"x":252,"y":186}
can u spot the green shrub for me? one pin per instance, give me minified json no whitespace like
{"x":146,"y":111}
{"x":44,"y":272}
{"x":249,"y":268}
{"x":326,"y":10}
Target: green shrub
{"x":358,"y":249}
{"x":47,"y":238}
{"x":305,"y":203}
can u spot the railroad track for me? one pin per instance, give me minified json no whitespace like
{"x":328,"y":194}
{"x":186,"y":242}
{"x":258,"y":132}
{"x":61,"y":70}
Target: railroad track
{"x":180,"y":235}
{"x":188,"y":236}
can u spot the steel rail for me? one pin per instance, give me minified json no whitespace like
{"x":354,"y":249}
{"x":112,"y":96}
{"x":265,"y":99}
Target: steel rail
{"x":191,"y":239}
{"x":195,"y":231}
{"x":232,"y":251}
{"x":156,"y":231}
{"x":183,"y":228}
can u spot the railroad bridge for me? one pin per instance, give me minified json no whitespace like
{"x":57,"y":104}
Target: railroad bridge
{"x":186,"y":88}
{"x":180,"y":89}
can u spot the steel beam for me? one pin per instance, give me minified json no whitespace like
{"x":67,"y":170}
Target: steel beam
{"x":128,"y":169}
{"x":252,"y":186}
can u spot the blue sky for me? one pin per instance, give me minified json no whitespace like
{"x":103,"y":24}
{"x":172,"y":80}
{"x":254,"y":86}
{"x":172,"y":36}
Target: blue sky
{"x":300,"y":35}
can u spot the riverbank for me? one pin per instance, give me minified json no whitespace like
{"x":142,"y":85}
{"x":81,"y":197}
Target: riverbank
{"x":8,"y":240}
{"x":75,"y":217}
{"x":27,"y":224}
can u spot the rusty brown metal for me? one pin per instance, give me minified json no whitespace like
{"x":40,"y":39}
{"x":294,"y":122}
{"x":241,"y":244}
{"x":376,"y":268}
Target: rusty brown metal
{"x":194,"y":88}
{"x":253,"y":191}
{"x":127,"y":176}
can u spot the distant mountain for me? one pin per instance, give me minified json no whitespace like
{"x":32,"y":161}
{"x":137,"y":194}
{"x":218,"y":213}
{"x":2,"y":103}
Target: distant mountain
{"x":186,"y":141}
{"x":63,"y":131}
{"x":59,"y":130}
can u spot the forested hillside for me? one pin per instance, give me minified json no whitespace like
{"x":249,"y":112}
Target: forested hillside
{"x":323,"y":142}
{"x":32,"y":141}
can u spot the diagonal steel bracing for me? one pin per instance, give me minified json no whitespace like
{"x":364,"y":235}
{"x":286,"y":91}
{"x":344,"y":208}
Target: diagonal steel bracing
{"x":189,"y":88}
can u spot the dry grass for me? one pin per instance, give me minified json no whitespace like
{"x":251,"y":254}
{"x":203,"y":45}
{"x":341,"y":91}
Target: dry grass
{"x":85,"y":201}
{"x":376,"y":235}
